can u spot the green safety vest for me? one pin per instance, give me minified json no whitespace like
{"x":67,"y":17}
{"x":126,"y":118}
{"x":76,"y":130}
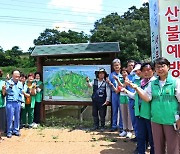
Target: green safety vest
{"x":123,"y":98}
{"x":38,"y":96}
{"x":144,"y":109}
{"x":2,"y":104}
{"x":164,"y":104}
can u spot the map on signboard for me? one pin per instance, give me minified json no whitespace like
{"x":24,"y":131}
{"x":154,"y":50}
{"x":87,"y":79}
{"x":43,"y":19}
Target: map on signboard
{"x":68,"y":83}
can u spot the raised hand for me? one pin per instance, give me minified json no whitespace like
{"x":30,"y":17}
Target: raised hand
{"x":87,"y":79}
{"x":127,"y":81}
{"x":115,"y":77}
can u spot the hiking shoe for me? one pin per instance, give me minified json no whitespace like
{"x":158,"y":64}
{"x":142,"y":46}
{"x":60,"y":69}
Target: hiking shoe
{"x":94,"y":128}
{"x":129,"y":135}
{"x":9,"y":135}
{"x":17,"y":134}
{"x":102,"y":129}
{"x":123,"y":134}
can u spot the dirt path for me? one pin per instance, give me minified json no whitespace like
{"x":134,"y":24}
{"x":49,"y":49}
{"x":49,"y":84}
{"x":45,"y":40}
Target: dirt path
{"x":64,"y":141}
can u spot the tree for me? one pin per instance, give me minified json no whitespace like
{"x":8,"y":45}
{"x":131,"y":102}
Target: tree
{"x":48,"y":37}
{"x":131,"y":30}
{"x":14,"y":52}
{"x":2,"y":57}
{"x":52,"y":36}
{"x":73,"y":37}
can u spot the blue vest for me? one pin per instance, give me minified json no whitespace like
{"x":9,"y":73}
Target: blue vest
{"x":99,"y":94}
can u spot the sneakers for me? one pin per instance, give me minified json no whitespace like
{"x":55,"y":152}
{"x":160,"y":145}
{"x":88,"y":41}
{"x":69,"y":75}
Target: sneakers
{"x":123,"y":134}
{"x":129,"y":135}
{"x":34,"y":125}
{"x":9,"y":135}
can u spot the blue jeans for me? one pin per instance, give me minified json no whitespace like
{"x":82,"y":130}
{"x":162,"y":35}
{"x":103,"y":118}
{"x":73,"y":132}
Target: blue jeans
{"x":13,"y":110}
{"x":132,"y":114}
{"x":144,"y":135}
{"x":115,"y":109}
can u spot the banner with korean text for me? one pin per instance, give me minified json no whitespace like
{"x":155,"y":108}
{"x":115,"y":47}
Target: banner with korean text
{"x":169,"y":31}
{"x":155,"y":33}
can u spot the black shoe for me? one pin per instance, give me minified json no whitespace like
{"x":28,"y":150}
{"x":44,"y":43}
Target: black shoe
{"x":113,"y":129}
{"x":22,"y":126}
{"x":134,"y":139}
{"x":102,"y":129}
{"x":94,"y":128}
{"x":17,"y":134}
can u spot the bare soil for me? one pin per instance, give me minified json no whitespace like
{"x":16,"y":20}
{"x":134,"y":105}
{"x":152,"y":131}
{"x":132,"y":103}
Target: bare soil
{"x":65,"y":141}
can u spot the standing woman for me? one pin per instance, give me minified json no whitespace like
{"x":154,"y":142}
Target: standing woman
{"x":2,"y":106}
{"x":29,"y":101}
{"x":164,"y":95}
{"x":38,"y":97}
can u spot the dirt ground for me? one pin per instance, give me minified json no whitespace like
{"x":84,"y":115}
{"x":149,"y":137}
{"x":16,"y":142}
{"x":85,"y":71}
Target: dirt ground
{"x":64,"y":141}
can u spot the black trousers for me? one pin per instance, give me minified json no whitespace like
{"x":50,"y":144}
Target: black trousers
{"x":37,"y":111}
{"x":99,"y":111}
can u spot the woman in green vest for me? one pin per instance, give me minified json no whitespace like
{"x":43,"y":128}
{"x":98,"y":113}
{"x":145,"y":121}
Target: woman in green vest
{"x":38,"y":98}
{"x":2,"y":106}
{"x":28,"y":111}
{"x":143,"y":110}
{"x":164,"y":95}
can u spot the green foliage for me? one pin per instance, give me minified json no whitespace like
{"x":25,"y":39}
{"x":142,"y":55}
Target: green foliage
{"x":25,"y":70}
{"x":53,"y":36}
{"x":131,"y":30}
{"x":49,"y":36}
{"x":15,"y":57}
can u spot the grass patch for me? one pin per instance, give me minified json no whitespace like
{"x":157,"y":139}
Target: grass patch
{"x":110,"y":139}
{"x":66,"y":122}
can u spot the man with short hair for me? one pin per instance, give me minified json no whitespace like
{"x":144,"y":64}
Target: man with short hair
{"x":115,"y":97}
{"x":14,"y":97}
{"x":132,"y":77}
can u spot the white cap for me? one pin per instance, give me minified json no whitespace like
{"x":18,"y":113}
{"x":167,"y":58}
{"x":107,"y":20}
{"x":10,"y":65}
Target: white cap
{"x":137,"y":67}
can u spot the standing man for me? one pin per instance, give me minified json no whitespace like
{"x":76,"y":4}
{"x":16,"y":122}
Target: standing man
{"x":100,"y":98}
{"x":14,"y":97}
{"x":115,"y":96}
{"x":132,"y":77}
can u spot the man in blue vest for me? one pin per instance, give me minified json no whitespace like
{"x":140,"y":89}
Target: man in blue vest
{"x":14,"y":97}
{"x":100,"y":98}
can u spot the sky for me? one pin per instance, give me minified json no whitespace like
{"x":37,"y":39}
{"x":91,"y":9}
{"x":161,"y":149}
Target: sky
{"x":22,"y":21}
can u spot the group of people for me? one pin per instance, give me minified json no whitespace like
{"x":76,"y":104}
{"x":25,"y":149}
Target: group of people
{"x":20,"y":102}
{"x":146,"y":99}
